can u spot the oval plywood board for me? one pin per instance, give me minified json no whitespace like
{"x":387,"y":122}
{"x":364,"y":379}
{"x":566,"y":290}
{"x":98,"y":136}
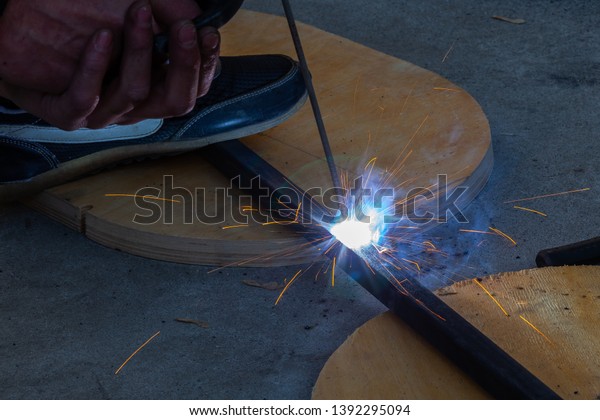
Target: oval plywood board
{"x":415,"y":124}
{"x":552,"y":330}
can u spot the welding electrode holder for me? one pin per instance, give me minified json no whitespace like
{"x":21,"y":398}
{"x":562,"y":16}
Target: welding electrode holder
{"x":215,"y":13}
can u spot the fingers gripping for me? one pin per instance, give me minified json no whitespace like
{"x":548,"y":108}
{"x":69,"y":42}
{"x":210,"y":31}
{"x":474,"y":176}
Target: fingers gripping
{"x":69,"y":110}
{"x":210,"y":42}
{"x":72,"y":108}
{"x":133,"y":85}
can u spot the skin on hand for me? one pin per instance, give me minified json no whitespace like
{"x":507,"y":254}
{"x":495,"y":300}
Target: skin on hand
{"x":41,"y":41}
{"x":44,"y":82}
{"x":136,"y":94}
{"x":71,"y":109}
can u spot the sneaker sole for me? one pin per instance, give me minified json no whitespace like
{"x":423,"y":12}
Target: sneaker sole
{"x":76,"y":168}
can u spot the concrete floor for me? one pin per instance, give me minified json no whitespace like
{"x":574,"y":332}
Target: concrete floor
{"x":71,"y":311}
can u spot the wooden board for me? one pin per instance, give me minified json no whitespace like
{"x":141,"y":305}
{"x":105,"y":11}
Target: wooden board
{"x":374,"y":105}
{"x":385,"y":359}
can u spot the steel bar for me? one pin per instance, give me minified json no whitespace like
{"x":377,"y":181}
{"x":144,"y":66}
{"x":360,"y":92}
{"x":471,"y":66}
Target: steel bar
{"x":580,"y":253}
{"x":489,"y":365}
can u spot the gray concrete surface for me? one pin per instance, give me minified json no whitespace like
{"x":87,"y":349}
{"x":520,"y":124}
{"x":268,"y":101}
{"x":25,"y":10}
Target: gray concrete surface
{"x":71,"y":311}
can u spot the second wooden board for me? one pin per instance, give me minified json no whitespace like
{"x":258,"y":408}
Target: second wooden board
{"x":544,"y":318}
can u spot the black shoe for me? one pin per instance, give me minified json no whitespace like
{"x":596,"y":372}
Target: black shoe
{"x":251,"y":95}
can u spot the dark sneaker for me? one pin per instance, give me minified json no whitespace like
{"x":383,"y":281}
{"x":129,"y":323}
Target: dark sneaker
{"x":251,"y":95}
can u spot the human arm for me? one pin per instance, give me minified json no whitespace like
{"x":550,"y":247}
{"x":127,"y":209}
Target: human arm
{"x":42,"y":51}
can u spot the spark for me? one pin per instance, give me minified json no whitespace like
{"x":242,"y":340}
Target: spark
{"x":396,"y":283}
{"x":476,"y":231}
{"x":270,"y":256}
{"x":490,"y":295}
{"x":406,"y":100}
{"x":330,"y":248}
{"x":396,"y":172}
{"x":449,"y":51}
{"x":287,"y":286}
{"x":390,"y":260}
{"x":371,"y":162}
{"x":494,"y":232}
{"x":504,"y":235}
{"x":233,"y":227}
{"x":416,"y":264}
{"x":535,"y":328}
{"x":430,"y":245}
{"x":277,"y":222}
{"x":355,"y":99}
{"x":530,"y":210}
{"x":283,"y":204}
{"x":333,"y":272}
{"x":147,"y":197}
{"x":379,"y":124}
{"x":297,"y":213}
{"x":380,"y":249}
{"x":402,"y":153}
{"x":547,"y":195}
{"x":285,"y":222}
{"x":446,"y":89}
{"x":318,"y":272}
{"x":431,"y":311}
{"x":407,"y":181}
{"x":136,"y":352}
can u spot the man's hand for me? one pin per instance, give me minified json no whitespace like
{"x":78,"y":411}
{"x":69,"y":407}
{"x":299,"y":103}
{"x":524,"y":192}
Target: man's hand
{"x":70,"y":109}
{"x":173,"y":89}
{"x":43,"y":72}
{"x":42,"y":41}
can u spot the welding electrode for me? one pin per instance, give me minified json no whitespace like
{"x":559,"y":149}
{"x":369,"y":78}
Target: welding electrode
{"x":312,"y":95}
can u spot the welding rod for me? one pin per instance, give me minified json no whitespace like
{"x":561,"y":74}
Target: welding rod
{"x":494,"y":369}
{"x":311,"y":94}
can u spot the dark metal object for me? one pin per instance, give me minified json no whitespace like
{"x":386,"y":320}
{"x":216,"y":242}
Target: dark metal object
{"x":580,"y":253}
{"x":3,"y":4}
{"x":467,"y":347}
{"x":311,"y":94}
{"x":215,"y":13}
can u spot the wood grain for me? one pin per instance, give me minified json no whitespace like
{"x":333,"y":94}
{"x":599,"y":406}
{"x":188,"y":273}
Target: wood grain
{"x":374,"y":105}
{"x":384,"y":359}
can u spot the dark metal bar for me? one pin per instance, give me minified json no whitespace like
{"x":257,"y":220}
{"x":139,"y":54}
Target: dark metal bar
{"x":495,"y":370}
{"x":580,"y":253}
{"x":311,"y":93}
